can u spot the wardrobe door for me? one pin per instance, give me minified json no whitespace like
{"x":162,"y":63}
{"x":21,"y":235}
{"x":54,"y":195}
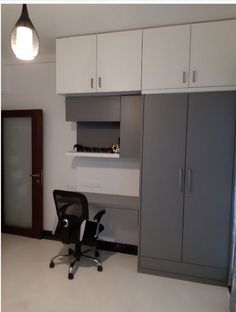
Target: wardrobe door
{"x":209,"y":169}
{"x":162,"y":176}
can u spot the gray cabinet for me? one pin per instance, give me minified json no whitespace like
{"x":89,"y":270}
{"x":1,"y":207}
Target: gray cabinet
{"x":93,"y":109}
{"x":209,"y":169}
{"x":163,"y":162}
{"x":102,"y":120}
{"x":187,"y":167}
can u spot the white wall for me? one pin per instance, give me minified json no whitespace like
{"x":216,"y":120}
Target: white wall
{"x":111,"y":176}
{"x":32,"y":86}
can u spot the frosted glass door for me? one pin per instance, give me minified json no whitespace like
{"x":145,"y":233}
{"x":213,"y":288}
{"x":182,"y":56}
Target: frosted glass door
{"x":22,"y":164}
{"x":17,"y":170}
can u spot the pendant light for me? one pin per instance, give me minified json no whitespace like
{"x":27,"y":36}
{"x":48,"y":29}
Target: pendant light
{"x":24,"y":38}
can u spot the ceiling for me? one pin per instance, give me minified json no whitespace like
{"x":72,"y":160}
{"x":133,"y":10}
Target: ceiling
{"x":57,"y":20}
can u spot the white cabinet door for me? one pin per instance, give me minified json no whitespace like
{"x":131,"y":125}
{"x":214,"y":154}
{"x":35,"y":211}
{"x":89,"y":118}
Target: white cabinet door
{"x":119,"y":61}
{"x":213,"y":54}
{"x":166,"y":57}
{"x":76,"y":64}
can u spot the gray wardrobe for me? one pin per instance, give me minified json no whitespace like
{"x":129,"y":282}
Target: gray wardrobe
{"x":186,"y":185}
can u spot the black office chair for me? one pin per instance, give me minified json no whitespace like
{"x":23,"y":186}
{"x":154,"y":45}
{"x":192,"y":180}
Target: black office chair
{"x":74,"y":227}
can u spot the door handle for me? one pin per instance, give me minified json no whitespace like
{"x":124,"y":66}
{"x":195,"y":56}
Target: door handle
{"x":181,"y":180}
{"x":189,"y":180}
{"x":36,"y":175}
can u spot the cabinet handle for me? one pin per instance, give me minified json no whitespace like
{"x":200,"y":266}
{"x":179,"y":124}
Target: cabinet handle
{"x":184,"y":76}
{"x":181,"y":180}
{"x":189,"y":180}
{"x":91,"y":81}
{"x":99,"y":82}
{"x":194,"y":76}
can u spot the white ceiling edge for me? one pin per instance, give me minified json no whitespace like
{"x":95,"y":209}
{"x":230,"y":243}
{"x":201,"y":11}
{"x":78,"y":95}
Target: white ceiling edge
{"x":120,"y":2}
{"x":64,"y":20}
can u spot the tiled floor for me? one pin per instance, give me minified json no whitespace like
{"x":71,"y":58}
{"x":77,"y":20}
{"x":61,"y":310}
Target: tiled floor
{"x":29,"y":285}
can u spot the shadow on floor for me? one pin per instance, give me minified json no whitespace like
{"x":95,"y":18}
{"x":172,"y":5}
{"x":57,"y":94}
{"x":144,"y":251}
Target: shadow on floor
{"x":84,"y":262}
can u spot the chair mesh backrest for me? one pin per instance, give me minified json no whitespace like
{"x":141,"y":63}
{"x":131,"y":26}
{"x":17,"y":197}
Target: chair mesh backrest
{"x":72,"y":206}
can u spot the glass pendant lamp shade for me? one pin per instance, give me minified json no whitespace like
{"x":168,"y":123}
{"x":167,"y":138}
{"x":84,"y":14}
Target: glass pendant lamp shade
{"x":24,"y":38}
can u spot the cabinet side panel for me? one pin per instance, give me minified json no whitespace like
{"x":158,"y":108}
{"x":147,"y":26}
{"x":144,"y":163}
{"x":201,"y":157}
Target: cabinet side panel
{"x":130,"y":126}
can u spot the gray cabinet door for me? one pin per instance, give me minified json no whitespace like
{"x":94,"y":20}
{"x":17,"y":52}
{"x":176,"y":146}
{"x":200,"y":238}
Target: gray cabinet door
{"x":209,"y":168}
{"x":130,"y":126}
{"x":99,"y":109}
{"x":162,"y":176}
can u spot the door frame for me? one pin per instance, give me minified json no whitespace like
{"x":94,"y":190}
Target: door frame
{"x":36,"y":116}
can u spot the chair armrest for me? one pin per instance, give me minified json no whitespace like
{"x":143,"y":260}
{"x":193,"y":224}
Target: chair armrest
{"x":99,"y":215}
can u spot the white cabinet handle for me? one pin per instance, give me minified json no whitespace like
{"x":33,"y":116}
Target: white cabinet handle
{"x":184,"y":76}
{"x":99,"y":82}
{"x":194,"y":75}
{"x":91,"y":81}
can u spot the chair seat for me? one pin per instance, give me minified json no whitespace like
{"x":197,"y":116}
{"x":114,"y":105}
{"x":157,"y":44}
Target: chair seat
{"x":90,"y":230}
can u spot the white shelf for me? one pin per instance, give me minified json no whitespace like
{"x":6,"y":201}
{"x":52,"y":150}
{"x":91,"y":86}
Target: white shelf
{"x":100,"y":155}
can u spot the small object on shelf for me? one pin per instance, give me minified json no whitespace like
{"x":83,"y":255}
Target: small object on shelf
{"x":82,"y":148}
{"x":116,"y":147}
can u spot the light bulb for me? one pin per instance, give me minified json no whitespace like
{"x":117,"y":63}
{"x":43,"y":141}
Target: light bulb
{"x":24,"y":38}
{"x":23,"y":46}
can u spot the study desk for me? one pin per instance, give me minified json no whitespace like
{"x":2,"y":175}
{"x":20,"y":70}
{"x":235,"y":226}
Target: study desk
{"x":113,"y":201}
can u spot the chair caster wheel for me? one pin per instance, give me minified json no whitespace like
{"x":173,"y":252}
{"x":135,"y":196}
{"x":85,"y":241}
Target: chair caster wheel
{"x":70,"y":276}
{"x":100,"y":268}
{"x":51,"y":265}
{"x":97,"y":253}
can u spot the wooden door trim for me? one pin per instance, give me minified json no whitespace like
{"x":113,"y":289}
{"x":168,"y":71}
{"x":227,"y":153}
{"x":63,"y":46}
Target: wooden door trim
{"x":37,"y":166}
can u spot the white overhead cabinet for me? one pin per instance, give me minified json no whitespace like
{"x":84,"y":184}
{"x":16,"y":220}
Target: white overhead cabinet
{"x":182,"y":58}
{"x":76,"y":65}
{"x":213,"y":54}
{"x":166,"y":57}
{"x":190,"y":58}
{"x":108,"y":62}
{"x":119,"y":61}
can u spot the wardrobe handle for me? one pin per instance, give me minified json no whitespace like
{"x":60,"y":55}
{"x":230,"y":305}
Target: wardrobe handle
{"x":91,"y":81}
{"x":99,"y":82}
{"x":194,"y":75}
{"x":189,"y":180}
{"x":181,"y":180}
{"x":184,"y":76}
